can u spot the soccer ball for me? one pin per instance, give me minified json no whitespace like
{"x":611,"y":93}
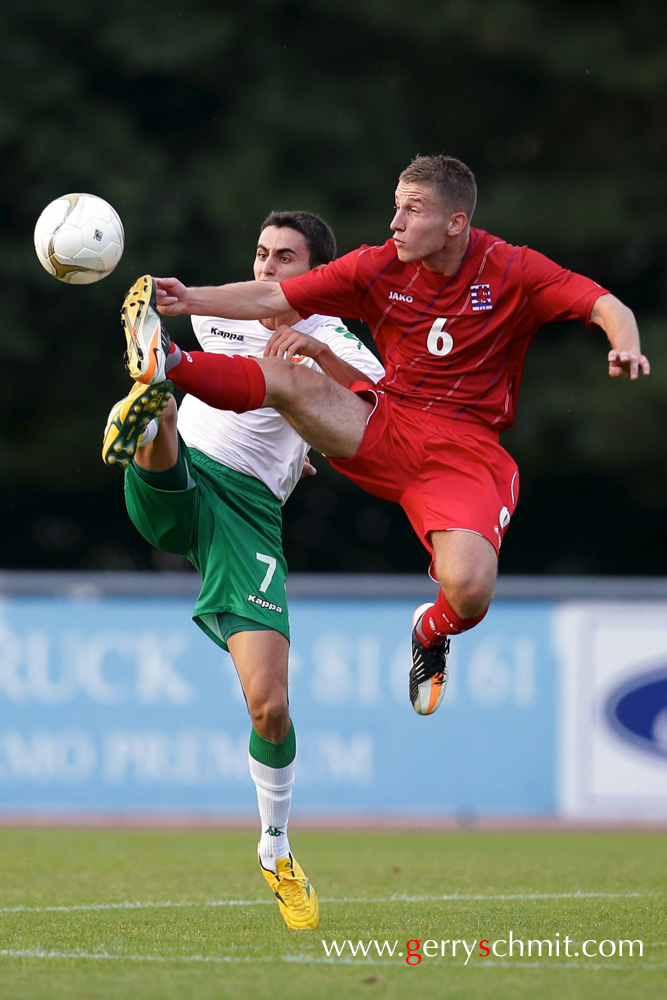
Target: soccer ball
{"x":79,"y":238}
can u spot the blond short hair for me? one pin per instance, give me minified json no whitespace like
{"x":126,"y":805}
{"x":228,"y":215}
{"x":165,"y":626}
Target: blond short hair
{"x":450,"y":177}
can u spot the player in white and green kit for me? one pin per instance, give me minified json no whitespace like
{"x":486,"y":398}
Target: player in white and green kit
{"x":210,"y":485}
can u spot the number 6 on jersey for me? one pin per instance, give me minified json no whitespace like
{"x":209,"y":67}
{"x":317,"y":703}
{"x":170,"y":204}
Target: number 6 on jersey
{"x":438,"y":342}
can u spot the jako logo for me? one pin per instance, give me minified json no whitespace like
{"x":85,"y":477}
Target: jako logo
{"x":637,"y":711}
{"x":400,"y":297}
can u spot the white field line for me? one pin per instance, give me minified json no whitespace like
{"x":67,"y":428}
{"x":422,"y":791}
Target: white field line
{"x":346,"y":900}
{"x":105,"y":956}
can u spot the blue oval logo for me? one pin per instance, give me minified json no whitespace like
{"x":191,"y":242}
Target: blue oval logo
{"x":637,"y":711}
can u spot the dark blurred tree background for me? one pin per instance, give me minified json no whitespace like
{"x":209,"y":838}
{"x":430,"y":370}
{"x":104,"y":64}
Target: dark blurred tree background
{"x":195,"y":119}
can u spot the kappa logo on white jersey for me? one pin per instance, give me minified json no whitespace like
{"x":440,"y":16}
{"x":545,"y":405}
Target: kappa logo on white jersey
{"x":400,"y":297}
{"x":226,"y":334}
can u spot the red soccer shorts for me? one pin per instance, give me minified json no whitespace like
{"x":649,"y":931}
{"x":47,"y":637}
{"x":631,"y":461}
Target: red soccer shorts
{"x":445,"y":473}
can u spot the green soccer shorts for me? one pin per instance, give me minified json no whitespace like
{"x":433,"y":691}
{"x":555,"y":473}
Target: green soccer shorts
{"x":229,"y":526}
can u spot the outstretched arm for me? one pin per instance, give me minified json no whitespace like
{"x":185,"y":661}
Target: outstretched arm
{"x":618,"y":322}
{"x":241,"y":300}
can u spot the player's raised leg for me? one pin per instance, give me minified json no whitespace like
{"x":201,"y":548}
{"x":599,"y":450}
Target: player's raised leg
{"x":329,"y":417}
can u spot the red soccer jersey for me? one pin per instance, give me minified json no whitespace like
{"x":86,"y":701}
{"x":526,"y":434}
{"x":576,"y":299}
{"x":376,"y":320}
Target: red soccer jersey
{"x":455,"y":343}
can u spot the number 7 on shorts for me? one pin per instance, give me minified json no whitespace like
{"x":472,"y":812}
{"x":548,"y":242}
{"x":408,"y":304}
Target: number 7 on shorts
{"x":268,"y":577}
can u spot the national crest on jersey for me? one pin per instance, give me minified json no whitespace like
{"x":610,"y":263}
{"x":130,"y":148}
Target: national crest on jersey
{"x":480,"y":298}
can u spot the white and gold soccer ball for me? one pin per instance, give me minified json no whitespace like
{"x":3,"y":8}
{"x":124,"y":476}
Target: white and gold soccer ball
{"x":79,"y":238}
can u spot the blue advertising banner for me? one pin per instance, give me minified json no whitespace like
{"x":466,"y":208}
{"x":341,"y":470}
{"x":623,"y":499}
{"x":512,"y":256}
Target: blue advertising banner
{"x":117,"y":706}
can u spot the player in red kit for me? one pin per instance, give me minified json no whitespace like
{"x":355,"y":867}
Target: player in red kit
{"x":453,"y":311}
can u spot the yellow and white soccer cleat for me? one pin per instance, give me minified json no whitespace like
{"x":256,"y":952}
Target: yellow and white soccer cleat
{"x":130,"y":417}
{"x":296,"y":897}
{"x":147,"y":340}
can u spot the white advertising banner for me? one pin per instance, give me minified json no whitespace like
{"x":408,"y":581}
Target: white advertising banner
{"x":613,"y":711}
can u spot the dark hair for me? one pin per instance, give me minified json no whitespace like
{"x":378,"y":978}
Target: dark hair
{"x":449,"y":176}
{"x":319,"y":235}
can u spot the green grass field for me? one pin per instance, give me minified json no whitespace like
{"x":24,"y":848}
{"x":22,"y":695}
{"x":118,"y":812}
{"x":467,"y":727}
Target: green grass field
{"x":137,"y":914}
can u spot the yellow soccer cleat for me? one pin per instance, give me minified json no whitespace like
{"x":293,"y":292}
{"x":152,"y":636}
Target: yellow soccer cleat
{"x":147,"y":340}
{"x":130,"y":417}
{"x":296,"y":897}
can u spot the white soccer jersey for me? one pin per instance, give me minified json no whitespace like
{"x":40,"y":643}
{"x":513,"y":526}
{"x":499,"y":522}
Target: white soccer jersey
{"x":261,"y":443}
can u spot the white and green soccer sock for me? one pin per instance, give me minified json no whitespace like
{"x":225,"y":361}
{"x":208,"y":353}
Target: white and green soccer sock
{"x":272,"y":770}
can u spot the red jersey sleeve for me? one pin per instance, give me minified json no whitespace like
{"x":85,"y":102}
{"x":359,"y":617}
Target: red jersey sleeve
{"x":555,"y":293}
{"x":332,"y":290}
